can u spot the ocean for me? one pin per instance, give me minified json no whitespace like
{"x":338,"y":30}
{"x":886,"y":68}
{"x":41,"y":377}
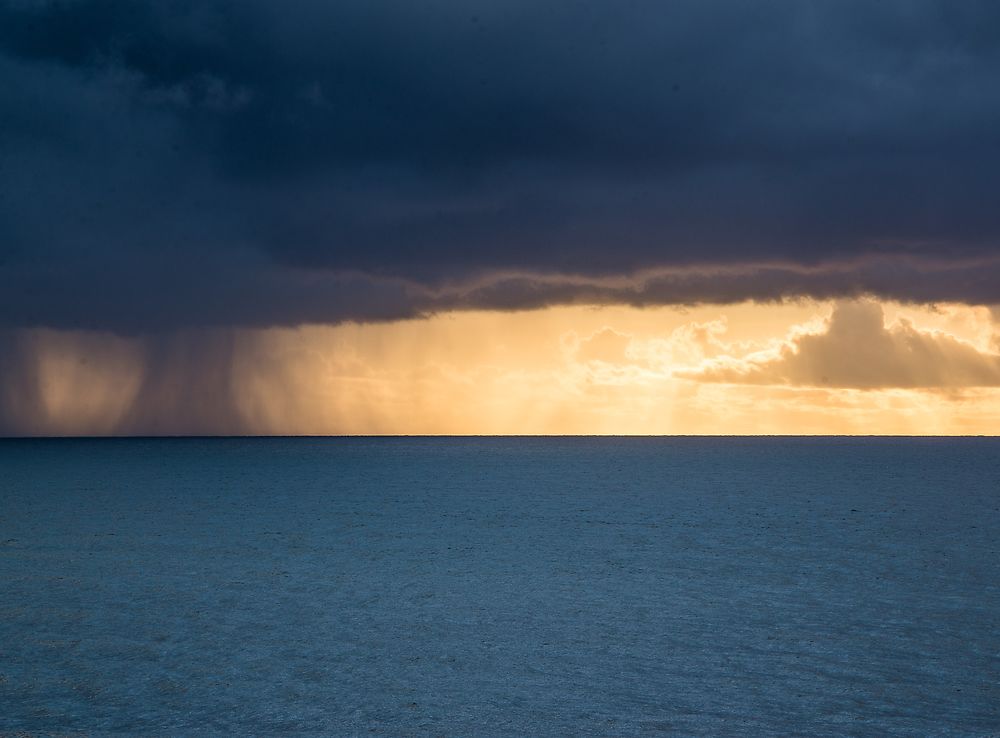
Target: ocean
{"x":500,"y":586}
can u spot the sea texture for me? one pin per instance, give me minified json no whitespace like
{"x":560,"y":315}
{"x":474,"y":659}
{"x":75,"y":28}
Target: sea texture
{"x":508,"y":587}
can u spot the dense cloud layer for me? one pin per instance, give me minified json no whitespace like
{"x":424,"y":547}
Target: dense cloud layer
{"x":245,"y":162}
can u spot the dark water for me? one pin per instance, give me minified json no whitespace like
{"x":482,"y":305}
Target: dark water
{"x":465,"y":587}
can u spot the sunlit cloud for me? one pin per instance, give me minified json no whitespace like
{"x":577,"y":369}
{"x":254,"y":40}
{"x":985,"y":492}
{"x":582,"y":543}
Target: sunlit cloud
{"x":857,"y":349}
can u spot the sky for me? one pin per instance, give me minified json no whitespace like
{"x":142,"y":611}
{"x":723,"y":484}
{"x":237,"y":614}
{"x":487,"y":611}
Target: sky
{"x":243,"y":216}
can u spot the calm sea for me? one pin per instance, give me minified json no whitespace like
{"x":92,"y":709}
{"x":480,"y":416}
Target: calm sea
{"x":520,"y":586}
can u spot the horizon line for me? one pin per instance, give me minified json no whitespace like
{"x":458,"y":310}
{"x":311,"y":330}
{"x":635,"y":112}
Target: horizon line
{"x":345,"y":436}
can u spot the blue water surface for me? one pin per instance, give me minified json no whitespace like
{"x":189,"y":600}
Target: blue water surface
{"x":488,"y":586}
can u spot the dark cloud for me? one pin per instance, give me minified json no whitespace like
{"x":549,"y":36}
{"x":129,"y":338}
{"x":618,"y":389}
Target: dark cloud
{"x":859,"y":351}
{"x":222,"y":162}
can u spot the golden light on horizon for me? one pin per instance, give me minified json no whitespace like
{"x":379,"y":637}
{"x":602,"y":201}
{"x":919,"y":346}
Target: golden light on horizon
{"x":788,"y":368}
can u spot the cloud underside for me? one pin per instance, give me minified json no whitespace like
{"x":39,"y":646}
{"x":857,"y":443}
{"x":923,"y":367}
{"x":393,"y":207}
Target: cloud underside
{"x":171,"y":164}
{"x":858,"y":350}
{"x":232,"y":296}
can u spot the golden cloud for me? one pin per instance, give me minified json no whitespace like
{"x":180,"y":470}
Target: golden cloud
{"x":858,"y":350}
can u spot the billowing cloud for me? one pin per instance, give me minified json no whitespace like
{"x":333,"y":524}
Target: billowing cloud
{"x":858,"y":350}
{"x":172,"y":164}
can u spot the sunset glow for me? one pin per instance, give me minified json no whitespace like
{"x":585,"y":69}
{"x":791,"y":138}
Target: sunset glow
{"x":740,"y":369}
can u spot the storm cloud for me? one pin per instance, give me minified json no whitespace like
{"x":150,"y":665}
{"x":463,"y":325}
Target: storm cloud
{"x":180,"y":164}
